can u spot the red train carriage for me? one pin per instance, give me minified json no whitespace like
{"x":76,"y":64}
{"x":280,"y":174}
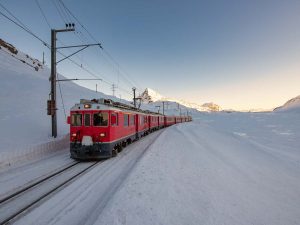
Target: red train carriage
{"x":101,"y":128}
{"x":142,"y":126}
{"x":169,"y":120}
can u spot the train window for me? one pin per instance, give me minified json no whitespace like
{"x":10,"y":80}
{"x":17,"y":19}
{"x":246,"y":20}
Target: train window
{"x":101,"y":119}
{"x":76,"y":120}
{"x":87,"y":120}
{"x":125,"y":120}
{"x":131,"y":120}
{"x":114,"y":119}
{"x":141,"y":120}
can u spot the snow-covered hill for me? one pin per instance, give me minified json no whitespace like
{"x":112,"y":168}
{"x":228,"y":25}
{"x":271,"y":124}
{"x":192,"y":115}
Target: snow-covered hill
{"x":24,"y":90}
{"x":150,"y":96}
{"x":292,"y":105}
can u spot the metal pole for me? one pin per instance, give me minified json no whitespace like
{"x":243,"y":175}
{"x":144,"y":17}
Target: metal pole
{"x":96,"y":88}
{"x":53,"y":83}
{"x":163,"y":108}
{"x":134,"y":100}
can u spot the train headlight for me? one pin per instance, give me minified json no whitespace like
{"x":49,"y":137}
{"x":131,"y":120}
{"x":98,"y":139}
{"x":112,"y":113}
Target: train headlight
{"x":87,"y":106}
{"x":102,"y":135}
{"x":74,"y":135}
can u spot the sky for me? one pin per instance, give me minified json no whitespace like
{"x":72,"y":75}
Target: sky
{"x":236,"y":53}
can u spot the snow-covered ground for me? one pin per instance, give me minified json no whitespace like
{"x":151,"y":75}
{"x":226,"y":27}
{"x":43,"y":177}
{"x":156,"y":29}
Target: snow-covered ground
{"x":222,"y":168}
{"x":225,"y":168}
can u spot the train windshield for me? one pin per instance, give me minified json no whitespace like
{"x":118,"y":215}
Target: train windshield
{"x":76,"y":120}
{"x":100,"y":119}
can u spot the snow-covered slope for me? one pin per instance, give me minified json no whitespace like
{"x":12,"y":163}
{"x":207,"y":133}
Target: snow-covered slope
{"x":292,"y":105}
{"x":24,"y":91}
{"x":149,"y":96}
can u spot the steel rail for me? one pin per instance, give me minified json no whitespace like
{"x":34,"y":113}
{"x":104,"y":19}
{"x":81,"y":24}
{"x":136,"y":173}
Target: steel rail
{"x":36,"y":183}
{"x":12,"y":215}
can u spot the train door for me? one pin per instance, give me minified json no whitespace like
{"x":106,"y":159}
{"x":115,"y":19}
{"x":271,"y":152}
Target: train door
{"x":137,"y":124}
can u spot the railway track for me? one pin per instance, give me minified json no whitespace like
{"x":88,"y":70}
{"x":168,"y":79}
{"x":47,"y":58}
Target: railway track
{"x":17,"y":203}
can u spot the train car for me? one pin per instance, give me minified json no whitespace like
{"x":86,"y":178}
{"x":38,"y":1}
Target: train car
{"x":161,"y":122}
{"x":100,"y":128}
{"x":177,"y":119}
{"x":169,"y":120}
{"x":142,"y":125}
{"x":153,"y":122}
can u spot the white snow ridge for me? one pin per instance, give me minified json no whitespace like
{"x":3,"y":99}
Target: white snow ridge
{"x":151,"y":96}
{"x":292,"y":105}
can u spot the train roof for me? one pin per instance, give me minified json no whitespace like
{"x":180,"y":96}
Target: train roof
{"x":108,"y":104}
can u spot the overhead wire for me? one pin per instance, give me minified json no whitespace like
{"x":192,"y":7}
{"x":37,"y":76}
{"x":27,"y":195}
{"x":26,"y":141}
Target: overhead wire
{"x":106,"y":52}
{"x":26,"y":29}
{"x":41,"y":10}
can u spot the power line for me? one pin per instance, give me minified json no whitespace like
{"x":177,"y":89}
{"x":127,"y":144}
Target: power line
{"x":62,"y":100}
{"x":22,"y":27}
{"x":94,"y":39}
{"x":59,"y":13}
{"x":26,"y":29}
{"x":38,"y":4}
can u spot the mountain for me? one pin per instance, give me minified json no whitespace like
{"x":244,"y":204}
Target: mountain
{"x":150,"y":96}
{"x":292,"y":105}
{"x":212,"y":106}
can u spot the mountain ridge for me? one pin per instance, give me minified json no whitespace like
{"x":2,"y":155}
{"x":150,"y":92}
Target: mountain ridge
{"x":150,"y":96}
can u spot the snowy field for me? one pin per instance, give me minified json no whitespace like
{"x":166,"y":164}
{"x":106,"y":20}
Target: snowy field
{"x":234,"y":168}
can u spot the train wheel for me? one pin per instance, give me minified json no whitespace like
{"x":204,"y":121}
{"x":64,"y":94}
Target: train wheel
{"x":119,"y":148}
{"x":114,"y":152}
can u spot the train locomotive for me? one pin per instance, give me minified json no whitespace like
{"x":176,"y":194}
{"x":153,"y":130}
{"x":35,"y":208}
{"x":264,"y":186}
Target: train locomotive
{"x":100,"y":128}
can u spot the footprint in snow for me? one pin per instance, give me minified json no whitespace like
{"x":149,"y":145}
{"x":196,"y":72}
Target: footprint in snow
{"x":240,"y":134}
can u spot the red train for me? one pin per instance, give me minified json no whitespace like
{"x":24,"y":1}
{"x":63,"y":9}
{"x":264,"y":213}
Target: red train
{"x":100,"y":128}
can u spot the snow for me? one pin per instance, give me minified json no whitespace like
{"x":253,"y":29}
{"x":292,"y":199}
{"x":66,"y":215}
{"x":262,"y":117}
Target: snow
{"x":149,"y":95}
{"x":206,"y":174}
{"x":224,"y":168}
{"x":12,"y":179}
{"x":293,"y":105}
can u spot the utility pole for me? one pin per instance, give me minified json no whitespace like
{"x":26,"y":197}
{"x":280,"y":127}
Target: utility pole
{"x":52,"y":104}
{"x":158,"y":106}
{"x":43,"y":58}
{"x":113,"y":88}
{"x":96,"y":88}
{"x":134,"y":99}
{"x":163,"y":107}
